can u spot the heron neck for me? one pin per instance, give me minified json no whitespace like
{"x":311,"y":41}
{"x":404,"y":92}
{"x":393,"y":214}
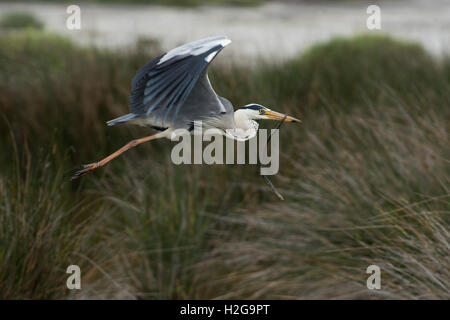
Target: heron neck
{"x":242,"y":120}
{"x":245,"y":127}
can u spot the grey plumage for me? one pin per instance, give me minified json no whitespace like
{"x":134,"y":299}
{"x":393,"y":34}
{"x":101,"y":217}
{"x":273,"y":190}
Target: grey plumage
{"x":173,"y":90}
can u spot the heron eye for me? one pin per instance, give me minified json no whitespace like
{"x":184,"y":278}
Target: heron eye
{"x":261,"y":111}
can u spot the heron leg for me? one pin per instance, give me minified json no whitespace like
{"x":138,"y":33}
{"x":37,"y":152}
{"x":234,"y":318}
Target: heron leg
{"x":92,"y":166}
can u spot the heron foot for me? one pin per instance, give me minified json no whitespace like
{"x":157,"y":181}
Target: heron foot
{"x":87,"y":168}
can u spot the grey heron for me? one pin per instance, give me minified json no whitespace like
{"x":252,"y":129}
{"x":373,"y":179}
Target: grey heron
{"x":173,"y":91}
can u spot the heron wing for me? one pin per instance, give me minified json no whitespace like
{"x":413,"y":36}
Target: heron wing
{"x":162,"y":87}
{"x":203,"y":104}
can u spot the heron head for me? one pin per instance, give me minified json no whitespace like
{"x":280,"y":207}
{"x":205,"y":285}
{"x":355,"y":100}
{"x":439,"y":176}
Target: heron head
{"x":258,"y":112}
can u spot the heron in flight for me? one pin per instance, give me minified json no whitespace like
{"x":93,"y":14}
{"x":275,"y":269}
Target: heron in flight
{"x":173,"y":91}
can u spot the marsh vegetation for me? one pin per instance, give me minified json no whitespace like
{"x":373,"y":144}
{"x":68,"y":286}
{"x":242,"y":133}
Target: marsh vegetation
{"x":365,"y":177}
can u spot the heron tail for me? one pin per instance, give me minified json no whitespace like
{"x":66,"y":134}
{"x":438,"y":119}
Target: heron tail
{"x":125,"y":118}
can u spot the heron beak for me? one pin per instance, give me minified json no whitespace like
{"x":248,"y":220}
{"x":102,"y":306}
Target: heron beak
{"x":273,"y":115}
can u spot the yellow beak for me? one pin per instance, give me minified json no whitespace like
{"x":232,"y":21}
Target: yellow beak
{"x":273,"y":115}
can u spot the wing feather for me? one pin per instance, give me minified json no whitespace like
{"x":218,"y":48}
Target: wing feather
{"x":162,"y":86}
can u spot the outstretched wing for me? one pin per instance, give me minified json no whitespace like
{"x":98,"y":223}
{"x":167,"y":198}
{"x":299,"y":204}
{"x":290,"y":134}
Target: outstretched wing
{"x":161,"y":88}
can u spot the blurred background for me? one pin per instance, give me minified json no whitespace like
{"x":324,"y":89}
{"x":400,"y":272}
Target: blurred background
{"x":365,"y":176}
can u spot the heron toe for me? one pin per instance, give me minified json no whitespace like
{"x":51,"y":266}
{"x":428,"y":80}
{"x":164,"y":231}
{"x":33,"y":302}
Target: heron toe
{"x":85,"y":170}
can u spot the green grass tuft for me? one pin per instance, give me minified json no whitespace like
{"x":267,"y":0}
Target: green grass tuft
{"x":20,"y":20}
